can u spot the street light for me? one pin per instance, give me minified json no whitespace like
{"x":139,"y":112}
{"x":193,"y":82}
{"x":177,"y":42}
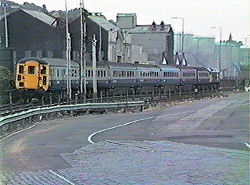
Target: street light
{"x":182,"y":42}
{"x":220,"y":29}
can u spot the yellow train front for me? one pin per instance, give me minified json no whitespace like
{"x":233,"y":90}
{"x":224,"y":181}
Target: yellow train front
{"x":45,"y":74}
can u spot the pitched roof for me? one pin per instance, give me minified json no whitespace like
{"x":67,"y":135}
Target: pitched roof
{"x":104,"y":23}
{"x":36,"y":14}
{"x":41,"y":16}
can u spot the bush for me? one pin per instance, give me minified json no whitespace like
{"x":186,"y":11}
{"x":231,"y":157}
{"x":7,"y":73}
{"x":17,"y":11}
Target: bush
{"x":5,"y":78}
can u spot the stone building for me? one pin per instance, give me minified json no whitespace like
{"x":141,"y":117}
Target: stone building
{"x":157,"y":40}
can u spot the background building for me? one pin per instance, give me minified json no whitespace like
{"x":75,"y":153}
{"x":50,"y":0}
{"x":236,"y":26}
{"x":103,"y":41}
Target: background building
{"x":157,"y":40}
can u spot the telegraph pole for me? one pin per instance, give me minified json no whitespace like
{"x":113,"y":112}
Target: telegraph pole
{"x":83,"y":80}
{"x":5,"y":25}
{"x":220,"y":29}
{"x":81,"y":54}
{"x":68,"y":56}
{"x":100,"y":44}
{"x":94,"y":67}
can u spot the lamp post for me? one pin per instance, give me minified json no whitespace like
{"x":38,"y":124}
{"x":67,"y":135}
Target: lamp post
{"x":220,"y":30}
{"x":182,"y":32}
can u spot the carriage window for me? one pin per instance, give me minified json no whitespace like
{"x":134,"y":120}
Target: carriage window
{"x":58,"y":73}
{"x":63,"y":72}
{"x":98,"y":74}
{"x":31,"y":69}
{"x":21,"y":69}
{"x":43,"y":70}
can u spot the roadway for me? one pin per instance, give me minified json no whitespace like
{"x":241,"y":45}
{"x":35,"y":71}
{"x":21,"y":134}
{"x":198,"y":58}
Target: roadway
{"x":217,"y":122}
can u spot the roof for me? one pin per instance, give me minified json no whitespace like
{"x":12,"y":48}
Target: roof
{"x":168,"y":68}
{"x":41,"y":16}
{"x":36,"y":14}
{"x":104,"y":23}
{"x":50,"y":61}
{"x":126,"y":14}
{"x":148,"y":29}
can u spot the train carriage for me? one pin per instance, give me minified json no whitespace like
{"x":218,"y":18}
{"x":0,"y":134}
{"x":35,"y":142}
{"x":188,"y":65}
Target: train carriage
{"x":45,"y":74}
{"x":122,"y":75}
{"x":187,"y":75}
{"x":170,"y":75}
{"x":102,"y":75}
{"x":202,"y":76}
{"x":149,"y":75}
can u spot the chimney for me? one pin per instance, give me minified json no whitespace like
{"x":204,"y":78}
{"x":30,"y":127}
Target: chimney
{"x":162,"y":25}
{"x":153,"y":25}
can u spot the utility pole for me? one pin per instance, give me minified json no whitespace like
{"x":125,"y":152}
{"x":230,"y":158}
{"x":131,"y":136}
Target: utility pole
{"x":94,"y":67}
{"x":100,"y":44}
{"x":220,"y":29}
{"x":5,"y":25}
{"x":83,"y":80}
{"x":68,"y":56}
{"x":81,"y":54}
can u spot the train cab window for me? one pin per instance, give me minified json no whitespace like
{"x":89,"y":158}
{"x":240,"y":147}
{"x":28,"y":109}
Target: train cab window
{"x":21,"y":69}
{"x":31,"y":69}
{"x":43,"y":70}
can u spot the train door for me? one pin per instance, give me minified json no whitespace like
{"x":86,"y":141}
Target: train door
{"x":44,"y":81}
{"x":31,"y":75}
{"x":20,"y":76}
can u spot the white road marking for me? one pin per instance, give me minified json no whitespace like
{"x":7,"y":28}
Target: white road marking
{"x":61,"y":177}
{"x":247,"y":145}
{"x":131,"y":122}
{"x":17,"y":132}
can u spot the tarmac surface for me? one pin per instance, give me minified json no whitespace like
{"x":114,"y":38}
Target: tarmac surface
{"x":199,"y":142}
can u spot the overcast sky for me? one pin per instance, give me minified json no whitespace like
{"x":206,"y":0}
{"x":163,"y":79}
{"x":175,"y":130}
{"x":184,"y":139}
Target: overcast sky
{"x":232,"y":15}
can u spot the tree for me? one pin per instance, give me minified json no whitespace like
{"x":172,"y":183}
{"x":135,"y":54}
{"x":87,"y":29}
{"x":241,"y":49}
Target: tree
{"x":5,"y":80}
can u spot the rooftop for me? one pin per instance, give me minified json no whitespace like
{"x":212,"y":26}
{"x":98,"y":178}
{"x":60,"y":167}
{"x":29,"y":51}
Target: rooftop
{"x":104,"y":23}
{"x":36,"y":14}
{"x":149,"y":29}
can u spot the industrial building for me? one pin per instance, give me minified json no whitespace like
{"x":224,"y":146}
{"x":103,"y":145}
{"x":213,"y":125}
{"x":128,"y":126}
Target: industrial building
{"x":31,"y":33}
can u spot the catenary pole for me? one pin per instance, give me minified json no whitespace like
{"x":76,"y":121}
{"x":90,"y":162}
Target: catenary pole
{"x":68,"y":48}
{"x":94,"y":66}
{"x":81,"y":50}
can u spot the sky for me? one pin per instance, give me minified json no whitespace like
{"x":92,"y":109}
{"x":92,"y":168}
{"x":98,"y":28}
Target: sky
{"x":233,"y":16}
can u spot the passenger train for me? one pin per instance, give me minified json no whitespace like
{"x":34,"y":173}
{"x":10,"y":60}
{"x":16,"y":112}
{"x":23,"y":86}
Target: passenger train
{"x":50,"y":74}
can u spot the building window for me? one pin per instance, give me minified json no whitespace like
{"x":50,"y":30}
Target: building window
{"x":39,"y":54}
{"x":28,"y":54}
{"x":50,"y":54}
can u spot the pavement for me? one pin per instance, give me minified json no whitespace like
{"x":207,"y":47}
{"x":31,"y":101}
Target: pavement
{"x":199,"y":142}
